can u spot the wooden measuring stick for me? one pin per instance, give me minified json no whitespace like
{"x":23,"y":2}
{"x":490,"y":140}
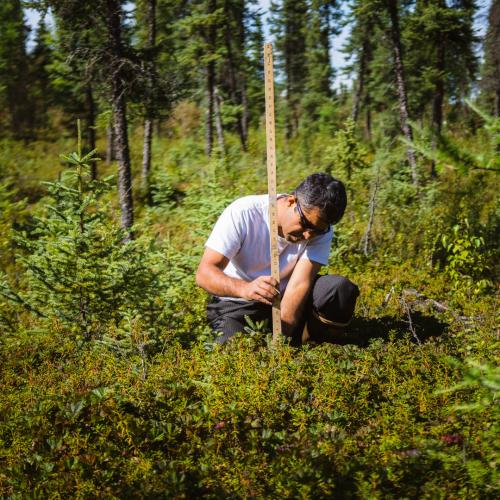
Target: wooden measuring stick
{"x":271,"y":182}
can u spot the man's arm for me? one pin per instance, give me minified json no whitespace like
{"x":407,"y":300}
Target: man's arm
{"x":296,"y":293}
{"x":210,"y":276}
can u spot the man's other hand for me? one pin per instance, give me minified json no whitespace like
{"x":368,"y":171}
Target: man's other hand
{"x":263,"y":289}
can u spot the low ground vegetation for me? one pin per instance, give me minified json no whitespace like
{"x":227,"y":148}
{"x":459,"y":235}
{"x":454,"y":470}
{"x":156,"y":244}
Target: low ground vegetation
{"x":112,"y":385}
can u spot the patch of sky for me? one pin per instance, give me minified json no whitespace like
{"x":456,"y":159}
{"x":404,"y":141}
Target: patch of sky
{"x":338,"y":59}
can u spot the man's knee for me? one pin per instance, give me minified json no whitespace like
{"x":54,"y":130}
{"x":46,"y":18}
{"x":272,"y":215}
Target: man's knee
{"x":332,"y":307}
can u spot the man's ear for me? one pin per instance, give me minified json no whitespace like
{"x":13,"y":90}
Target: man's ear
{"x":290,"y":200}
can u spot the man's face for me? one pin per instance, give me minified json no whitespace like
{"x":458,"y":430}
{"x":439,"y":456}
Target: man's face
{"x":298,"y":223}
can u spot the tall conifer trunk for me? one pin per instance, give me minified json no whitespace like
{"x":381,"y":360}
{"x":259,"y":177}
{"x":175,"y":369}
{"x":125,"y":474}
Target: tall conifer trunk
{"x":110,"y":142}
{"x":233,"y":85}
{"x":368,"y":117}
{"x":113,"y":20}
{"x":392,"y":6}
{"x":246,"y":114}
{"x":437,"y":104}
{"x":242,"y":83}
{"x":89,"y":95}
{"x":148,"y":123}
{"x":361,"y":80}
{"x":209,"y":121}
{"x":218,"y":122}
{"x":232,"y":66}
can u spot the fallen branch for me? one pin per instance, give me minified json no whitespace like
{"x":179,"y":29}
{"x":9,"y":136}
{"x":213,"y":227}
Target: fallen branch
{"x":410,"y":322}
{"x":422,"y":299}
{"x":387,"y":297}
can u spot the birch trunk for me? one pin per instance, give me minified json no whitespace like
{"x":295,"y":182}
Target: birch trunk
{"x":146,"y":157}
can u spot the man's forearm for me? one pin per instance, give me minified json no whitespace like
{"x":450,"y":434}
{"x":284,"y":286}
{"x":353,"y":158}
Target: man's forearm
{"x":292,"y":309}
{"x":216,"y":282}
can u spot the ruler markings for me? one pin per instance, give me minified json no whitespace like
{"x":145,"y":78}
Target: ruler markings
{"x":271,"y":182}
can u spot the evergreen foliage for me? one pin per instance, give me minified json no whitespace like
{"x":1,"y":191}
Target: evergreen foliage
{"x":112,"y":384}
{"x":346,"y":154}
{"x":491,"y":67}
{"x":76,"y":267}
{"x":14,"y":69}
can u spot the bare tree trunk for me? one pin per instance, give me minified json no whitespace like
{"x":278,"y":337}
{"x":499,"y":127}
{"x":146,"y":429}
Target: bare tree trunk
{"x":113,"y":14}
{"x":209,"y":120}
{"x":91,"y":125}
{"x":366,"y":240}
{"x":218,"y":122}
{"x":289,"y":103}
{"x":361,"y":81}
{"x":392,"y":6}
{"x":437,"y":105}
{"x":234,"y":88}
{"x":148,"y":123}
{"x":245,"y":114}
{"x":110,"y":146}
{"x":209,"y":123}
{"x":368,"y":118}
{"x":146,"y":157}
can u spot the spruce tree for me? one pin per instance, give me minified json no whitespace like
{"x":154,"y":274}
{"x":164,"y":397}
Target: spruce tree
{"x":77,"y":271}
{"x":200,"y":55}
{"x":441,"y":61}
{"x":491,"y":67}
{"x":150,"y":21}
{"x":14,"y":70}
{"x":74,"y":71}
{"x":103,"y":45}
{"x":394,"y":32}
{"x":255,"y":68}
{"x":322,"y":22}
{"x":41,"y":89}
{"x":289,"y":24}
{"x":361,"y":46}
{"x":232,"y":70}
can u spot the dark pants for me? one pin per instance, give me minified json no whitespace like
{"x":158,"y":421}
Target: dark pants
{"x":332,"y":298}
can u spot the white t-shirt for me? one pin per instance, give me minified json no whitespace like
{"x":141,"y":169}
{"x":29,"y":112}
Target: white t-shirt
{"x":242,"y":235}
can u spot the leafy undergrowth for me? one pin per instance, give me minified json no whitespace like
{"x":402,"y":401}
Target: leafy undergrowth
{"x":112,"y":385}
{"x":246,"y":420}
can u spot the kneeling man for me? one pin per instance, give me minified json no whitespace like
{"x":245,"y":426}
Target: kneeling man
{"x":236,"y":265}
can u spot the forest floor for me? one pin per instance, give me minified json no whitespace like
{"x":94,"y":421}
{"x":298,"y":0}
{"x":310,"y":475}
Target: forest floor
{"x":142,"y":403}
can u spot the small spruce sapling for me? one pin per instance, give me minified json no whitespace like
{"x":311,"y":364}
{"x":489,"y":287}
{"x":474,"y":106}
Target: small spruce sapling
{"x":78,"y":269}
{"x":346,"y":154}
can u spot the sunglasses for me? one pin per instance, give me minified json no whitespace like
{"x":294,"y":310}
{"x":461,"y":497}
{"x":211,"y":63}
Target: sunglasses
{"x":306,"y":225}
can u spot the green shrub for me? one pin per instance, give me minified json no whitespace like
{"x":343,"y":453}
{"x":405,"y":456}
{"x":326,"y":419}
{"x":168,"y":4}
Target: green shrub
{"x":77,"y":267}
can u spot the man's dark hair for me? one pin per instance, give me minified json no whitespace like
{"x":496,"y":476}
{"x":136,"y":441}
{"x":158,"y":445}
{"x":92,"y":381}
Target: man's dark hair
{"x":324,"y":192}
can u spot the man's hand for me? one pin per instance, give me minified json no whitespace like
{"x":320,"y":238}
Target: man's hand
{"x":211,"y":277}
{"x":263,"y":289}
